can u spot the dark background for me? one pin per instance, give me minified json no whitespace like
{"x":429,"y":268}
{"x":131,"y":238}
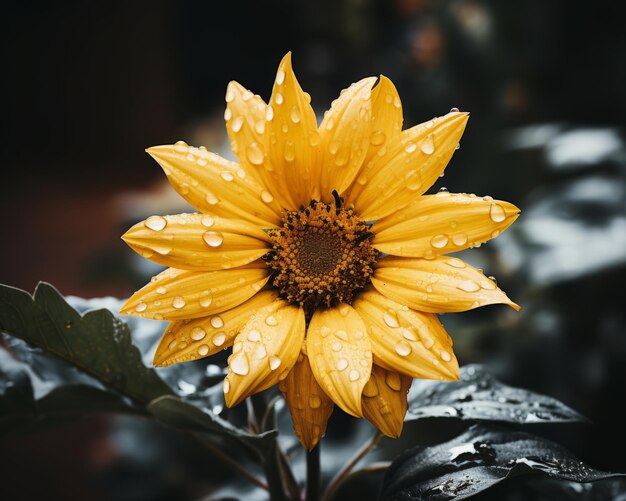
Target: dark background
{"x":87,"y":86}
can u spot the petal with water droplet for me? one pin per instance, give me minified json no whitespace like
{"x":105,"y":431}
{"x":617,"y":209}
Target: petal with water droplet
{"x":287,"y":140}
{"x":178,"y":344}
{"x":343,"y":145}
{"x":387,"y":406}
{"x":437,"y":285}
{"x":388,"y":190}
{"x":198,"y":178}
{"x":196,"y":293}
{"x":411,"y":346}
{"x":186,"y":237}
{"x":337,"y":379}
{"x":464,"y":220}
{"x":309,"y":406}
{"x":269,"y":350}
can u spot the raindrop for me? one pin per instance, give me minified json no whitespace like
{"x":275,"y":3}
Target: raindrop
{"x":342,"y":364}
{"x":213,"y":238}
{"x":226,"y":385}
{"x":181,"y":146}
{"x":227,"y":176}
{"x":428,"y":146}
{"x":337,"y":346}
{"x":172,"y":345}
{"x":217,"y":322}
{"x":413,"y":180}
{"x":267,"y":197}
{"x":377,"y":138}
{"x":459,"y":239}
{"x":410,"y":148}
{"x":274,"y":362}
{"x":219,"y":339}
{"x":228,"y":114}
{"x":280,"y":77}
{"x":259,"y":127}
{"x":391,"y":319}
{"x":271,"y":321}
{"x":269,"y":113}
{"x":455,"y":263}
{"x":295,"y":115}
{"x":178,"y":302}
{"x":315,"y":402}
{"x":203,"y":350}
{"x":354,"y":375}
{"x":205,"y":302}
{"x":237,"y":124}
{"x":403,"y":348}
{"x":261,"y":352}
{"x":468,"y":286}
{"x":207,"y":221}
{"x":497,"y":214}
{"x":439,"y":241}
{"x":408,"y":334}
{"x":454,"y":110}
{"x":278,"y":99}
{"x":198,"y":333}
{"x":254,"y":336}
{"x":239,"y":364}
{"x":445,"y":356}
{"x":141,"y":306}
{"x":211,"y":199}
{"x":341,"y":334}
{"x":254,"y":154}
{"x":155,"y":223}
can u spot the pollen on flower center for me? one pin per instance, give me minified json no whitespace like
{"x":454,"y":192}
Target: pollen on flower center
{"x":321,"y":255}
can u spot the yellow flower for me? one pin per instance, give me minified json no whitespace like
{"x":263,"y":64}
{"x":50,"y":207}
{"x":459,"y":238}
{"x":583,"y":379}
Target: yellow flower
{"x":318,"y":257}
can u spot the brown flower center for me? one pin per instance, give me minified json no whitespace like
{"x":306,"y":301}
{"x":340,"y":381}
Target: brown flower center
{"x":321,"y":255}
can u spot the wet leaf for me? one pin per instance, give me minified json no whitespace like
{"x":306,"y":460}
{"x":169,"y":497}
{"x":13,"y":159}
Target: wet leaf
{"x":476,"y":460}
{"x":478,"y":396}
{"x":97,"y":342}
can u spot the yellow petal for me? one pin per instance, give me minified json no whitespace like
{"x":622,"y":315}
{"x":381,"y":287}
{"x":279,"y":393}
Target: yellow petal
{"x":385,"y":400}
{"x":186,"y":340}
{"x":245,"y":123}
{"x":309,"y":406}
{"x":197,"y":241}
{"x":439,"y":285}
{"x":340,"y":355}
{"x":182,"y":294}
{"x":264,"y":351}
{"x":407,"y":341}
{"x":344,"y":137}
{"x":291,"y":127}
{"x":411,"y":164}
{"x":386,"y":126}
{"x":215,"y":185}
{"x":442,"y":223}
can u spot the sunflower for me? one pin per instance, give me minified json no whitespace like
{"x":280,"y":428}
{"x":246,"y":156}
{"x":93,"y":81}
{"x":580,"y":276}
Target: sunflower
{"x":317,"y":256}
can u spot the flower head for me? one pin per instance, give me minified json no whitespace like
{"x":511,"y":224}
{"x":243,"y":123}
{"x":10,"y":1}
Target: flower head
{"x":317,"y":256}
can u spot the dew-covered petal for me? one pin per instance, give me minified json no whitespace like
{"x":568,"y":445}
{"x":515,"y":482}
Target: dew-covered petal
{"x":442,"y":223}
{"x":407,"y":341}
{"x":202,"y":242}
{"x":245,"y":123}
{"x":385,"y":400}
{"x":340,"y":355}
{"x":265,"y":350}
{"x":439,"y":285}
{"x":186,"y":340}
{"x":386,"y":126}
{"x":182,"y":294}
{"x":215,"y":185}
{"x":411,"y":164}
{"x":309,"y":406}
{"x":290,"y":136}
{"x":344,"y":137}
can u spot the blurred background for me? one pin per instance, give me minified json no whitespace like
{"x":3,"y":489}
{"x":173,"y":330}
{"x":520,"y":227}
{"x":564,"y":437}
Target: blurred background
{"x":88,"y":85}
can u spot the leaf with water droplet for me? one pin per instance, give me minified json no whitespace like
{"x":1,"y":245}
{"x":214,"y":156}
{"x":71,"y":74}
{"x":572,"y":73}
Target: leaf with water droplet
{"x":475,"y":461}
{"x":478,"y":396}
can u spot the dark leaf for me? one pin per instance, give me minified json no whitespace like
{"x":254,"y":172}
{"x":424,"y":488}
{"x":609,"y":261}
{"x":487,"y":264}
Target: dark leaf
{"x":96,"y":342}
{"x":476,"y":460}
{"x":478,"y":396}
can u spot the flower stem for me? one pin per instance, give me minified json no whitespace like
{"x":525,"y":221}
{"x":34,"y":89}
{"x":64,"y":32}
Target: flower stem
{"x":313,"y":474}
{"x":341,"y":475}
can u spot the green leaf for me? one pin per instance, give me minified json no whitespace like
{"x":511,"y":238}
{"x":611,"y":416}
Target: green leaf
{"x":97,"y":342}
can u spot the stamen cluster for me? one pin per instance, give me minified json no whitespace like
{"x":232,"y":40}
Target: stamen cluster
{"x":322,"y":255}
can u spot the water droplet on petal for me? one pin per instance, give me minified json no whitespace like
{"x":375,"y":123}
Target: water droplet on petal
{"x":403,"y":348}
{"x":254,"y":336}
{"x":271,"y":321}
{"x":445,"y":356}
{"x":439,"y":241}
{"x":217,"y":322}
{"x":459,"y":239}
{"x":237,"y":124}
{"x":413,"y":180}
{"x":178,"y":302}
{"x":226,"y":386}
{"x":172,"y":345}
{"x":198,"y":333}
{"x":342,"y":364}
{"x":219,"y":339}
{"x":141,"y":306}
{"x":391,"y":319}
{"x":336,"y":346}
{"x":393,"y":381}
{"x":274,"y":362}
{"x":409,"y":334}
{"x":280,"y":77}
{"x":211,"y":199}
{"x":455,"y":263}
{"x":203,"y":350}
{"x":228,"y":114}
{"x":427,"y":145}
{"x":155,"y":223}
{"x":341,"y":334}
{"x":181,"y":146}
{"x":213,"y":238}
{"x":295,"y":115}
{"x":410,"y":148}
{"x":315,"y":402}
{"x":354,"y":375}
{"x":267,"y":197}
{"x":261,"y":352}
{"x":227,"y":176}
{"x":207,"y":221}
{"x":468,"y":286}
{"x":239,"y":364}
{"x":497,"y":214}
{"x":377,"y":138}
{"x":278,"y":98}
{"x":269,"y":113}
{"x":454,"y":110}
